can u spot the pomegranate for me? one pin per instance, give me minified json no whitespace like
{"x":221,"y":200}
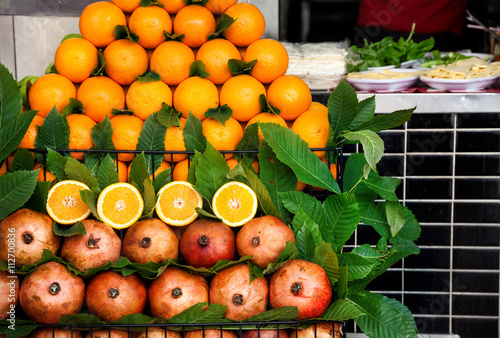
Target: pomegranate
{"x":265,"y":334}
{"x":48,"y":332}
{"x":320,"y":330}
{"x":232,"y":287}
{"x":24,"y":235}
{"x":176,"y":290}
{"x":210,"y":333}
{"x":205,"y":242}
{"x":9,"y":289}
{"x":97,"y":247}
{"x":110,"y":295}
{"x":157,"y":332}
{"x":107,"y":333}
{"x":302,"y":284}
{"x":50,"y":292}
{"x":264,"y":238}
{"x":150,"y":240}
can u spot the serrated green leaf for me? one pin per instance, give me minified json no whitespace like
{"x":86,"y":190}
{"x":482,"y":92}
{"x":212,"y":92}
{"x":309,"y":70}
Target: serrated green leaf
{"x":381,"y":319}
{"x":342,"y":108}
{"x":162,"y":179}
{"x":220,"y":114}
{"x":107,"y":174}
{"x":56,"y":163}
{"x":249,"y":142}
{"x":79,"y":172}
{"x":307,"y":235}
{"x":341,"y":310}
{"x":265,"y":106}
{"x":342,"y":283}
{"x":101,"y":135}
{"x":38,"y":200}
{"x":366,"y":110}
{"x":13,"y":130}
{"x":293,"y":200}
{"x":395,"y":216}
{"x":374,"y":215}
{"x":197,"y":314}
{"x":10,"y":98}
{"x":150,"y":270}
{"x":224,"y":23}
{"x":122,"y":32}
{"x":134,"y":319}
{"x":358,"y":267}
{"x":149,"y":197}
{"x":150,"y":76}
{"x":211,"y":171}
{"x":294,"y":152}
{"x":152,"y":138}
{"x":47,"y":256}
{"x":284,"y":313}
{"x":23,"y":328}
{"x":373,"y":146}
{"x":23,"y":160}
{"x":385,"y":187}
{"x":53,"y":134}
{"x":168,"y":116}
{"x":342,"y":215}
{"x":325,"y":257}
{"x":193,"y":163}
{"x":238,"y":67}
{"x":198,"y":68}
{"x":73,"y":107}
{"x":410,"y":231}
{"x":266,"y":204}
{"x":77,"y":229}
{"x":255,"y":271}
{"x":90,"y":200}
{"x":138,"y":172}
{"x":387,"y":121}
{"x":193,"y":134}
{"x":15,"y":190}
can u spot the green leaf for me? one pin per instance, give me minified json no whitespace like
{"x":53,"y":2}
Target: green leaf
{"x":152,"y":138}
{"x":265,"y":106}
{"x":342,"y":108}
{"x":395,"y":216}
{"x":197,"y":315}
{"x":341,"y":310}
{"x":168,"y":116}
{"x":373,"y":146}
{"x":81,"y":319}
{"x":72,"y":36}
{"x":225,"y":22}
{"x":307,"y":235}
{"x":410,"y":231}
{"x":358,"y":267}
{"x":342,"y":214}
{"x":138,"y":172}
{"x":325,"y":257}
{"x":150,"y":76}
{"x":342,"y":283}
{"x":51,"y":69}
{"x":38,"y":200}
{"x":146,"y":3}
{"x":15,"y":190}
{"x":238,"y":67}
{"x":294,"y":152}
{"x":73,"y":107}
{"x":122,"y":32}
{"x":285,"y":313}
{"x":107,"y":174}
{"x":77,"y":229}
{"x":102,"y":135}
{"x":198,"y":68}
{"x":382,"y":319}
{"x":53,"y":134}
{"x":374,"y":215}
{"x":366,"y":110}
{"x":24,"y":87}
{"x":387,"y":121}
{"x":10,"y":98}
{"x":290,"y":252}
{"x":79,"y":172}
{"x":265,"y":202}
{"x":162,"y":179}
{"x":193,"y":134}
{"x":249,"y":142}
{"x":135,"y":319}
{"x":149,"y":197}
{"x":149,"y":270}
{"x":385,"y":187}
{"x":211,"y":171}
{"x":22,"y":328}
{"x":23,"y":160}
{"x":56,"y":164}
{"x":99,"y":70}
{"x":220,"y":114}
{"x":90,"y":200}
{"x":295,"y":200}
{"x":47,"y":256}
{"x":192,"y":167}
{"x":173,"y":37}
{"x":13,"y":130}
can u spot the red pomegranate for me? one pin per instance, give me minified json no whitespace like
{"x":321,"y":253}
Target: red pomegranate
{"x":264,"y":334}
{"x":9,"y":289}
{"x":110,"y":295}
{"x":205,"y":242}
{"x":211,"y":333}
{"x":320,"y":330}
{"x":50,"y":292}
{"x":105,"y":333}
{"x":48,"y":332}
{"x":150,"y":240}
{"x":97,"y":247}
{"x":232,"y":287}
{"x":157,"y":332}
{"x":264,"y":238}
{"x":302,"y":284}
{"x":176,"y":290}
{"x":24,"y":235}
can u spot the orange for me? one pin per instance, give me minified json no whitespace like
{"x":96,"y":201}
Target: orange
{"x":241,"y":93}
{"x":264,"y":118}
{"x":80,"y":128}
{"x":218,"y":7}
{"x":125,"y":60}
{"x":120,"y":205}
{"x":98,"y":21}
{"x":232,"y":162}
{"x":177,"y":203}
{"x":146,"y":98}
{"x":180,"y":172}
{"x":99,"y":96}
{"x":126,"y":131}
{"x":49,"y":90}
{"x":6,"y":165}
{"x":248,"y":27}
{"x":128,"y":6}
{"x":195,"y":95}
{"x":43,"y":175}
{"x":317,"y":105}
{"x":173,"y":6}
{"x":149,"y":23}
{"x":196,"y":23}
{"x":272,"y":59}
{"x":223,"y":137}
{"x":172,"y":60}
{"x":215,"y":54}
{"x":313,"y":127}
{"x":235,"y":203}
{"x":290,"y":95}
{"x":174,"y":141}
{"x":76,"y":59}
{"x":28,"y":141}
{"x":121,"y":167}
{"x":64,"y":203}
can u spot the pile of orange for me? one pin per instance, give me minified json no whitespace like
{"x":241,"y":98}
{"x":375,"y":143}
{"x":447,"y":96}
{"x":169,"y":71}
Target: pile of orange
{"x":77,"y":58}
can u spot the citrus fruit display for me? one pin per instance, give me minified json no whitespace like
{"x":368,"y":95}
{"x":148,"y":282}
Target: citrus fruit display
{"x":235,"y":203}
{"x":64,"y":203}
{"x":120,"y":205}
{"x":177,"y":203}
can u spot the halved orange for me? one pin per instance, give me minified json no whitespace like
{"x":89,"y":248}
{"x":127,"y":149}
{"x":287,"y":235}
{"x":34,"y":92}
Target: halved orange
{"x":177,"y":203}
{"x":64,"y":204}
{"x":120,"y":205}
{"x":235,"y":203}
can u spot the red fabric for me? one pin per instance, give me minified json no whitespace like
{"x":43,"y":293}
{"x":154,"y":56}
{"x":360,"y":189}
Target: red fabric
{"x":430,"y":16}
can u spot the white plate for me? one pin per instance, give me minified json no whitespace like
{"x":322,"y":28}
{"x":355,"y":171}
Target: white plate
{"x":461,"y":85}
{"x":406,"y":64}
{"x":486,"y":57}
{"x":386,"y":85}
